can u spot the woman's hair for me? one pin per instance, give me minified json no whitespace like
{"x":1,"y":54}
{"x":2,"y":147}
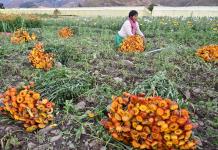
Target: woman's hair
{"x":133,"y":13}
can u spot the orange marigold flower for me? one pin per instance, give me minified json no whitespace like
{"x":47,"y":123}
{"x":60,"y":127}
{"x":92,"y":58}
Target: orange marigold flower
{"x":155,"y":129}
{"x":173,"y":126}
{"x":182,"y":120}
{"x":188,"y":127}
{"x":152,"y":107}
{"x":188,"y":135}
{"x":160,"y":111}
{"x":65,"y":32}
{"x":49,"y":105}
{"x":162,"y":104}
{"x":173,"y":118}
{"x":184,"y":113}
{"x":208,"y":53}
{"x":117,"y":117}
{"x":139,"y":118}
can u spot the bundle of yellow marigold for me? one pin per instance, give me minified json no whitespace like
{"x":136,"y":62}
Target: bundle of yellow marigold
{"x":26,"y":105}
{"x":134,"y":43}
{"x":208,"y":53}
{"x":39,"y":58}
{"x":149,"y":123}
{"x":65,"y":32}
{"x":21,"y":36}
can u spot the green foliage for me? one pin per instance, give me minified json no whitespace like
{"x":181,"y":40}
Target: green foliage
{"x":63,"y":84}
{"x":159,"y":85}
{"x":12,"y":24}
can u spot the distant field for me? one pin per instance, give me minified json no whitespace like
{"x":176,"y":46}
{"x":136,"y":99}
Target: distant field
{"x":121,"y":11}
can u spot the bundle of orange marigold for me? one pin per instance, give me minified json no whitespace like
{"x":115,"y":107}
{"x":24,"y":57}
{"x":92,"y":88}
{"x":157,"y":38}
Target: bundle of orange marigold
{"x":21,"y":36}
{"x":149,"y":123}
{"x":134,"y":43}
{"x":208,"y":53}
{"x":26,"y":105}
{"x":39,"y":58}
{"x":65,"y":32}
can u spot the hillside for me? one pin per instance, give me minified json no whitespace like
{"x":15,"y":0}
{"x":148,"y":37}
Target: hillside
{"x":99,"y":3}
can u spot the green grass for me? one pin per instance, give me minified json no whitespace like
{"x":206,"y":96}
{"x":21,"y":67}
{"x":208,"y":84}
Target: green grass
{"x":91,"y":65}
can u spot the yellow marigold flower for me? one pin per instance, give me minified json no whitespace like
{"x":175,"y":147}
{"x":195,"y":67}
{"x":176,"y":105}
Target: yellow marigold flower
{"x":178,"y":132}
{"x":191,"y":144}
{"x":154,"y":144}
{"x":44,"y":101}
{"x":20,"y":99}
{"x":36,"y":96}
{"x":136,"y":111}
{"x":134,"y":124}
{"x":169,"y":144}
{"x":164,"y":127}
{"x":166,"y":114}
{"x":39,"y":120}
{"x":160,"y":123}
{"x":139,"y":127}
{"x":135,"y":144}
{"x":143,"y":108}
{"x":50,"y":117}
{"x":147,"y":129}
{"x":181,"y":142}
{"x":41,"y":107}
{"x":144,"y":146}
{"x":91,"y":115}
{"x":174,"y":137}
{"x":49,"y":110}
{"x":167,"y":137}
{"x":181,"y":137}
{"x":174,"y":106}
{"x":31,"y":128}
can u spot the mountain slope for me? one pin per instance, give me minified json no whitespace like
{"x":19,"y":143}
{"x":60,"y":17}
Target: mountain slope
{"x":97,"y":3}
